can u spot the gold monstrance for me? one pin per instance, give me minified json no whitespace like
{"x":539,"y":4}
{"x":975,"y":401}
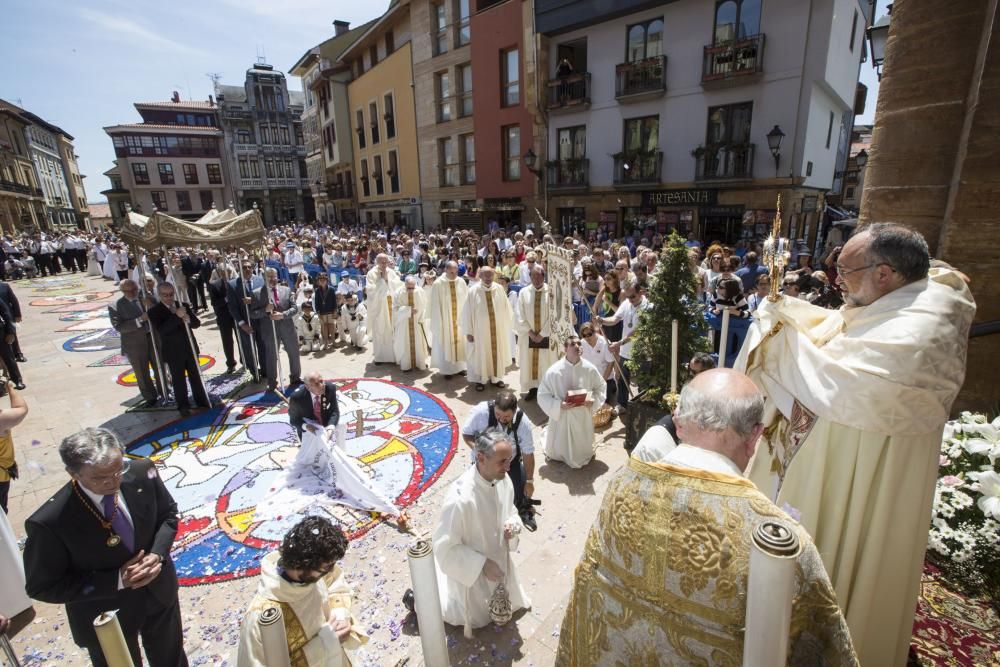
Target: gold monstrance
{"x":776,"y":254}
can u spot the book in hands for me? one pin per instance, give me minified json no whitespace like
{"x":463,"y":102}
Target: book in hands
{"x":576,"y":397}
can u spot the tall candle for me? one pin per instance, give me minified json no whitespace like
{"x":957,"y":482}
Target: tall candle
{"x":723,"y":338}
{"x":673,"y":357}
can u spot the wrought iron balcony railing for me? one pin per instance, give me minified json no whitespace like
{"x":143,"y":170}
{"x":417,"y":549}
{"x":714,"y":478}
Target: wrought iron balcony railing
{"x":725,"y":161}
{"x":570,"y":174}
{"x":638,"y":168}
{"x":569,"y":92}
{"x":732,"y":61}
{"x":641,"y":78}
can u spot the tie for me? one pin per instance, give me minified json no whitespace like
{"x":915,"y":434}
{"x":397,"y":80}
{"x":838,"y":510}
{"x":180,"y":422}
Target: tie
{"x":119,"y":523}
{"x":317,"y":410}
{"x":275,"y":290}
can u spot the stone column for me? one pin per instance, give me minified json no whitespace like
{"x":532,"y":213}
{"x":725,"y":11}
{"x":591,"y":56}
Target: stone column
{"x":932,"y":164}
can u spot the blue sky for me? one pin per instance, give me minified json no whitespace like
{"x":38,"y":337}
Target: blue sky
{"x":82,"y":64}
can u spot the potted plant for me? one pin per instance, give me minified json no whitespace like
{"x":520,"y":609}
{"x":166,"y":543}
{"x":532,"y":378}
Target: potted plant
{"x":673,"y":294}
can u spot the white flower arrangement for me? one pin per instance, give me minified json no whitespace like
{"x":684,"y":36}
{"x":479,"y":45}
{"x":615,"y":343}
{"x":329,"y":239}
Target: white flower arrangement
{"x":965,"y":520}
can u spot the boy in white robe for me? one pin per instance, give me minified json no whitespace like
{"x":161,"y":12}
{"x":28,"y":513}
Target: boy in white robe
{"x":303,"y":580}
{"x":569,"y":437}
{"x":353,"y":316}
{"x":308,"y":327}
{"x":478,"y":530}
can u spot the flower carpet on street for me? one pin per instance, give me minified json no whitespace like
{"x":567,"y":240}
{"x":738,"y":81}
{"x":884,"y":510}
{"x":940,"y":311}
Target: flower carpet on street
{"x":218,"y":465}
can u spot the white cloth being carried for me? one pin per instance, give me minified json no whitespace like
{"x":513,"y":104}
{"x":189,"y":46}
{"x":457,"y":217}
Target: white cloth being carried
{"x":569,"y":436}
{"x":13,"y":599}
{"x":473,"y":517}
{"x":322,"y":471}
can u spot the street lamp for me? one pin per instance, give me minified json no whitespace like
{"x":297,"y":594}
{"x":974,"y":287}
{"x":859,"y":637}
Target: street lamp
{"x":774,"y":138}
{"x":861,"y":159}
{"x":530,"y":161}
{"x":878,"y":35}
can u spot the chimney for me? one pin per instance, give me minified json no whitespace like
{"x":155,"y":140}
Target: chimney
{"x":211,"y":101}
{"x":175,"y":98}
{"x":340,"y":27}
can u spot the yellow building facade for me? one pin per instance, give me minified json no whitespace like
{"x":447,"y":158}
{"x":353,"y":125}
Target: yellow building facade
{"x":383,"y":122}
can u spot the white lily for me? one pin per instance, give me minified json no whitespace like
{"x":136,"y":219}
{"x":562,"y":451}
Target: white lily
{"x":989,"y":487}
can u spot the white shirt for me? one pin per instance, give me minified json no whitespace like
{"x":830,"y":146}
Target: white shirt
{"x":348,"y":287}
{"x":599,"y":355}
{"x":688,"y":456}
{"x":629,"y":315}
{"x":293,"y":261}
{"x":479,"y":421}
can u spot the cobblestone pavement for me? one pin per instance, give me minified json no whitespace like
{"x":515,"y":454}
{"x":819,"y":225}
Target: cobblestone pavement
{"x":66,"y":393}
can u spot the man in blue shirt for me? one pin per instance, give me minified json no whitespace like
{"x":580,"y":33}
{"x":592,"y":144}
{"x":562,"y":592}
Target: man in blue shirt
{"x":748,"y":274}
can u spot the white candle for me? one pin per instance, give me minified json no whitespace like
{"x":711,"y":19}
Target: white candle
{"x":673,"y":357}
{"x":723,"y":338}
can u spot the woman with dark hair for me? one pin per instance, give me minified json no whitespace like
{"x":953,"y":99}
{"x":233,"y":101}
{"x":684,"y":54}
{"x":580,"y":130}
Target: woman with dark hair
{"x":303,"y":581}
{"x":608,"y":299}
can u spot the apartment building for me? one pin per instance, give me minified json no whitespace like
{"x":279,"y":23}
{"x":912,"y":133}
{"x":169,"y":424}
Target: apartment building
{"x":381,"y":103}
{"x":22,"y":202}
{"x":265,"y":147}
{"x":74,"y":182}
{"x":173,"y":161}
{"x":695,"y":116}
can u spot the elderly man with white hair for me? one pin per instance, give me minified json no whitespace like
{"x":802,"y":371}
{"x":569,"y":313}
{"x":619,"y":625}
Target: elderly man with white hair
{"x":409,"y":338}
{"x":382,"y":284}
{"x":665,"y":569}
{"x":487,"y":320}
{"x":448,"y":295}
{"x":273,"y":305}
{"x":479,"y":528}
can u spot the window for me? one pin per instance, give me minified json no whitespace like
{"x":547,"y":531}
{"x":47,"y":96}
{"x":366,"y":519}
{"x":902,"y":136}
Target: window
{"x":510,"y":78}
{"x":244,"y":136}
{"x":190,"y":174}
{"x":300,"y":138}
{"x":645,"y":40}
{"x":439,"y":29}
{"x":359,"y":127}
{"x":446,"y":158}
{"x":849,"y":193}
{"x":377,"y":167}
{"x":286,"y":138}
{"x":464,"y":35}
{"x":159,"y":199}
{"x":329,"y":139}
{"x":348,"y":185}
{"x":393,"y":172}
{"x":365,"y":185}
{"x":183,"y":200}
{"x":465,"y":79}
{"x":269,"y":168}
{"x":390,"y":116}
{"x":373,"y":115}
{"x":390,"y":43}
{"x":854,"y":31}
{"x":736,"y":19}
{"x":290,"y":170}
{"x":206,"y":199}
{"x":254,"y":168}
{"x":467,"y":145}
{"x":167,"y":171}
{"x":829,"y":130}
{"x":140,"y":174}
{"x":642,"y":135}
{"x":373,"y":54}
{"x":244,"y":168}
{"x":511,"y":139}
{"x":214,"y":174}
{"x":572,"y":143}
{"x":443,"y":85}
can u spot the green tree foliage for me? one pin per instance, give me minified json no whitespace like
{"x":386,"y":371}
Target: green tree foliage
{"x":673,"y":294}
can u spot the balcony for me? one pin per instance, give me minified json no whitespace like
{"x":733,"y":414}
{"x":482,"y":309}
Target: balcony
{"x":245,"y":148}
{"x":571,"y":92}
{"x":734,"y":62}
{"x":11,"y":186}
{"x":724,"y":162}
{"x":251,"y":183}
{"x":568,"y":175}
{"x":642,"y":79}
{"x":638,"y":169}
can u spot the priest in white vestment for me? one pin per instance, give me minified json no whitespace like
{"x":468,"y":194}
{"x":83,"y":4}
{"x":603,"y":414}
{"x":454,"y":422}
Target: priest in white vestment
{"x":486,"y":319}
{"x":534,"y":326}
{"x":569,"y":436}
{"x":303,"y":580}
{"x":409,"y":338}
{"x":448,"y":295}
{"x":857,"y":401}
{"x":383,"y":283}
{"x":478,"y":530}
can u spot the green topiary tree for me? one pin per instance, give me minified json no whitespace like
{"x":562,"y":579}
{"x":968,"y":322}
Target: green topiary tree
{"x":674,"y":294}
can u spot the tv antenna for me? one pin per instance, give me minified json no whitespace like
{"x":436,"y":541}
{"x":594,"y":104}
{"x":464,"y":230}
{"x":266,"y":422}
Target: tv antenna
{"x":215,"y":77}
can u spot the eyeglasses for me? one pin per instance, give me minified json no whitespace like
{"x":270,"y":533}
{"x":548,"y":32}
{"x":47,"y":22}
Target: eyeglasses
{"x":102,"y":479}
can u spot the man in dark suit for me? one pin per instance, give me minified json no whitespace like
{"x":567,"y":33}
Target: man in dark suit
{"x":273,"y":307}
{"x":102,"y":542}
{"x":128,"y":317}
{"x":218,"y":293}
{"x":171,"y":322}
{"x":240,"y":295}
{"x":191,"y":267}
{"x":316,"y":400}
{"x":8,"y":336}
{"x":8,"y":297}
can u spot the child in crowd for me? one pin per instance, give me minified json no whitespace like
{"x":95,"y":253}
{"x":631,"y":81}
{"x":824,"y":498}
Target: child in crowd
{"x":352,"y":321}
{"x":308,"y":327}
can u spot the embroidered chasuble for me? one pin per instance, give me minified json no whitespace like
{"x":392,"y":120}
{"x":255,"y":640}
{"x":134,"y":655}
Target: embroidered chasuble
{"x":663,"y":577}
{"x":446,"y":302}
{"x":532,"y":314}
{"x":379,"y":293}
{"x":856,"y":404}
{"x":487,"y":317}
{"x":305,"y":610}
{"x":409,"y":341}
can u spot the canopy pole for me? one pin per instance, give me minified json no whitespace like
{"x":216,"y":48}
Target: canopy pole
{"x":161,"y":378}
{"x":279,"y":387}
{"x":255,"y":371}
{"x":190,"y":336}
